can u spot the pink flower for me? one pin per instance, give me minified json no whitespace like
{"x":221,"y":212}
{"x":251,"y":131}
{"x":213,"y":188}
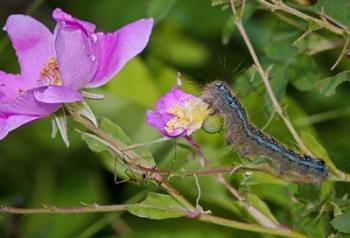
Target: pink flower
{"x":178,"y":113}
{"x":54,"y":67}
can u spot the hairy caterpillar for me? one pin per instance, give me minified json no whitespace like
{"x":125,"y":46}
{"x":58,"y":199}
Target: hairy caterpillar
{"x":251,"y":142}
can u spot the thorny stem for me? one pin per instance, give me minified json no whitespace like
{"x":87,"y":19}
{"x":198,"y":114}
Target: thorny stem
{"x":264,"y":75}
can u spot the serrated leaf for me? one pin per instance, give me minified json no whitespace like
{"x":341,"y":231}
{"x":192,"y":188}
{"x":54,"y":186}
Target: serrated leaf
{"x":342,"y":222}
{"x":158,"y":206}
{"x":61,"y":122}
{"x":262,"y":178}
{"x":328,"y":85}
{"x":158,"y":9}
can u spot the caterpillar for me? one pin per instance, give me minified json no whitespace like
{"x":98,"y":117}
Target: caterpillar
{"x":251,"y":142}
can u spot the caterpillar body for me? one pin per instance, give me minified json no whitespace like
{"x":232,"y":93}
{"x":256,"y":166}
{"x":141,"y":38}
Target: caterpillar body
{"x":251,"y":142}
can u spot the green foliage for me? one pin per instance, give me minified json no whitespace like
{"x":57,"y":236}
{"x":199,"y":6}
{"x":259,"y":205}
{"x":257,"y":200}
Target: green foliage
{"x":328,"y":85}
{"x":342,"y":222}
{"x":157,"y":206}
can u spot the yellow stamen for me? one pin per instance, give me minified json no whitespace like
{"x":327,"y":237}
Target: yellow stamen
{"x":189,"y":116}
{"x":51,"y":72}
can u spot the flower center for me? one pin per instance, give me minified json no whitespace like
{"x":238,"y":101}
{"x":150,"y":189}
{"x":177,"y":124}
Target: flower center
{"x":51,"y":73}
{"x":188,"y":117}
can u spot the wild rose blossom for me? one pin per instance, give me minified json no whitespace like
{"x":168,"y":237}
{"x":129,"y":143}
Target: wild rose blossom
{"x":177,"y":113}
{"x":54,"y":67}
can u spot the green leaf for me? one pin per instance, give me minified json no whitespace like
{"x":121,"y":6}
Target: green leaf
{"x":259,"y":204}
{"x":279,"y":82}
{"x":158,"y":9}
{"x":61,"y":122}
{"x":262,"y":178}
{"x":94,"y":143}
{"x":342,"y":222}
{"x":228,"y":30}
{"x":318,"y":150}
{"x":157,"y":206}
{"x":328,"y":85}
{"x":303,"y":73}
{"x":114,"y":130}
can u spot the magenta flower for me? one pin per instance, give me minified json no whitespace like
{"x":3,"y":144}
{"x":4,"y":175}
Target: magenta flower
{"x":54,"y":67}
{"x":178,"y":113}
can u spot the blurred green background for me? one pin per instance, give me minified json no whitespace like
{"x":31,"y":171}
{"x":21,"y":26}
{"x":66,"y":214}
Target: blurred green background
{"x":201,"y":42}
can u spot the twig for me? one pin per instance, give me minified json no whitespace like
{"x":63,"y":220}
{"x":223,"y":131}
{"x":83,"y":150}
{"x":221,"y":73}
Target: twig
{"x":323,"y":22}
{"x":57,"y":210}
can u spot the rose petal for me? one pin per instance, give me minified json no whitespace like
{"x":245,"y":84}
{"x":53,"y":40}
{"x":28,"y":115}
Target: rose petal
{"x":9,"y":123}
{"x":57,"y":94}
{"x":10,"y":86}
{"x":115,"y":49}
{"x":159,"y":121}
{"x":26,"y":104}
{"x":33,"y":43}
{"x":174,"y":97}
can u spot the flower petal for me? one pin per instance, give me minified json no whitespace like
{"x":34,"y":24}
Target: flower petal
{"x":159,"y":121}
{"x":70,"y":22}
{"x":10,"y":87}
{"x":33,"y":43}
{"x":74,"y":48}
{"x":57,"y":94}
{"x":26,"y":104}
{"x":174,"y":97}
{"x":115,"y":49}
{"x":9,"y":123}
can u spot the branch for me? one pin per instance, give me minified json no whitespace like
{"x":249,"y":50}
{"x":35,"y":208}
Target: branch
{"x":323,"y":22}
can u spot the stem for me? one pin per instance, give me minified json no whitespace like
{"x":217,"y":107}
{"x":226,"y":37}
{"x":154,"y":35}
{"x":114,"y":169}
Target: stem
{"x":249,"y":227}
{"x":115,"y":208}
{"x":324,"y":23}
{"x":264,"y":76}
{"x":56,"y":210}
